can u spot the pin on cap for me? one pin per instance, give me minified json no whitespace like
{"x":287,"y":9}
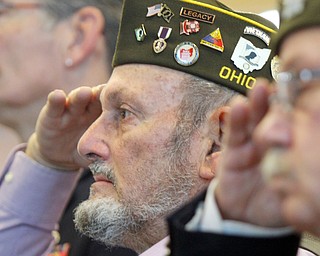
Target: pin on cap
{"x":213,"y":52}
{"x":189,"y":27}
{"x":214,"y":40}
{"x":186,"y":53}
{"x":160,"y":44}
{"x":140,"y":33}
{"x":161,"y":10}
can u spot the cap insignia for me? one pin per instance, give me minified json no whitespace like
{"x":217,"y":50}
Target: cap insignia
{"x":247,"y":57}
{"x":275,"y":67}
{"x":197,"y":15}
{"x":214,"y":40}
{"x":140,"y":33}
{"x":161,"y":10}
{"x":291,"y":8}
{"x":188,"y":27}
{"x":253,"y":31}
{"x":186,"y":53}
{"x":160,"y":44}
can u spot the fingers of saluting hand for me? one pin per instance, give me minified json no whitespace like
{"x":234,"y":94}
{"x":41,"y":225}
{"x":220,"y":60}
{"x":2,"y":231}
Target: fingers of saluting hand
{"x":95,"y":108}
{"x":241,"y":151}
{"x":246,"y":114}
{"x":97,"y":90}
{"x":259,"y":102}
{"x":236,"y":130}
{"x":79,"y":100}
{"x":56,"y":103}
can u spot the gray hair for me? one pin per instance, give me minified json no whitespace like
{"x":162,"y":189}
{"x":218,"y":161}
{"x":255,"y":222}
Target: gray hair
{"x":111,"y":10}
{"x":200,"y":98}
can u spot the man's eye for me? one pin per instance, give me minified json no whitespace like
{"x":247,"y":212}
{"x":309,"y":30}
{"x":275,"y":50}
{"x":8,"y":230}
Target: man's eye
{"x":124,"y":113}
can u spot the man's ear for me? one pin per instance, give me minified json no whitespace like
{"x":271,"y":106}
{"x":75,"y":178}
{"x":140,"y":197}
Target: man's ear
{"x":208,"y":169}
{"x":216,"y":130}
{"x":88,"y":26}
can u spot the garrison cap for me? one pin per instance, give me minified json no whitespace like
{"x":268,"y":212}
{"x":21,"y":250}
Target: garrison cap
{"x":204,"y":38}
{"x":296,"y":15}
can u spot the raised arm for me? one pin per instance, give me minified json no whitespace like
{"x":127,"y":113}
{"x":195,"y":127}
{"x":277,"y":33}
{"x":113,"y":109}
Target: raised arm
{"x":241,"y":192}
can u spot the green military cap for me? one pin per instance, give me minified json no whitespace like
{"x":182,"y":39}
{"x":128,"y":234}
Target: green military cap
{"x":204,"y":38}
{"x":296,"y":15}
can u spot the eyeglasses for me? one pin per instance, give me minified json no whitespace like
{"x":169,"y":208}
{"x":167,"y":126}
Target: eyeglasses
{"x":290,"y":84}
{"x":5,"y":7}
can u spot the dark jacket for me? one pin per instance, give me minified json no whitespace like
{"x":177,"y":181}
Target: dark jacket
{"x":186,"y":243}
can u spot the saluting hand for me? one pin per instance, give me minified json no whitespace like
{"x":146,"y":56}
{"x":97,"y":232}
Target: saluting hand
{"x":242,"y":194}
{"x":60,"y":124}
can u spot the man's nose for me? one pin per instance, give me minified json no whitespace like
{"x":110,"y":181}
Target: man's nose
{"x":93,"y":143}
{"x":274,"y":129}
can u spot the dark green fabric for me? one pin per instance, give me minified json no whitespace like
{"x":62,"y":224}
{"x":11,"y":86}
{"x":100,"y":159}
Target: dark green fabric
{"x":211,"y":62}
{"x":308,"y":16}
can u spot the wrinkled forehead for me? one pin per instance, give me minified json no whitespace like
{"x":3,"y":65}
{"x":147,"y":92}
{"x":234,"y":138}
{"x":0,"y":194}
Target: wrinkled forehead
{"x":144,"y":81}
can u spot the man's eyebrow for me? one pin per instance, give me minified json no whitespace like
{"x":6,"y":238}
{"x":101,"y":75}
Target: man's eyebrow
{"x":111,"y":97}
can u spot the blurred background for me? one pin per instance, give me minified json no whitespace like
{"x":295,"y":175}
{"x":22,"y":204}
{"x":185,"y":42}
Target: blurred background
{"x":251,"y":5}
{"x":266,"y":8}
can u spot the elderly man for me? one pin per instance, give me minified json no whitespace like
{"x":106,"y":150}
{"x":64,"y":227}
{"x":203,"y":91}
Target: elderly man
{"x":156,"y":143}
{"x":269,"y":170}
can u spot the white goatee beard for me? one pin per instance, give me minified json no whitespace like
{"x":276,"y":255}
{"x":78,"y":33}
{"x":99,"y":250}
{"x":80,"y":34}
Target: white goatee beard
{"x":125,"y":222}
{"x":117,"y":224}
{"x":103,"y":219}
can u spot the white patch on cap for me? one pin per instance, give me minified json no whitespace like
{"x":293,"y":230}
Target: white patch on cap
{"x":291,"y":8}
{"x":247,"y":57}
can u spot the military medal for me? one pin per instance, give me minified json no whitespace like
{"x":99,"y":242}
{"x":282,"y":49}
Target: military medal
{"x":188,"y":27}
{"x":186,"y":54}
{"x":160,"y":44}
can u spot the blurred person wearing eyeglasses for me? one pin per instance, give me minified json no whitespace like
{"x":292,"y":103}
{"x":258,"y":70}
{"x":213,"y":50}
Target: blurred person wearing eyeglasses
{"x":267,"y":184}
{"x":47,"y":45}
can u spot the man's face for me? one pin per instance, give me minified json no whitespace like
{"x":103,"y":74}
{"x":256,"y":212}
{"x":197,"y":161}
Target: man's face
{"x":29,"y":58}
{"x":295,"y":133}
{"x":139,"y":176}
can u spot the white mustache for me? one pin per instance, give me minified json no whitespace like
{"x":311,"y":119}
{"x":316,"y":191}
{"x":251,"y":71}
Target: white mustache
{"x":100,"y":168}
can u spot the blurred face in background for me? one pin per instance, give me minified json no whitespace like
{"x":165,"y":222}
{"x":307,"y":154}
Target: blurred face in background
{"x":29,"y":53}
{"x":47,"y":45}
{"x":32,"y":59}
{"x":291,"y":128}
{"x":27,"y":50}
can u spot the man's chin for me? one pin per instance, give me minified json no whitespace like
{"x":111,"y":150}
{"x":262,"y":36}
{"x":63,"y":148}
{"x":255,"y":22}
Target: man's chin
{"x":102,"y":219}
